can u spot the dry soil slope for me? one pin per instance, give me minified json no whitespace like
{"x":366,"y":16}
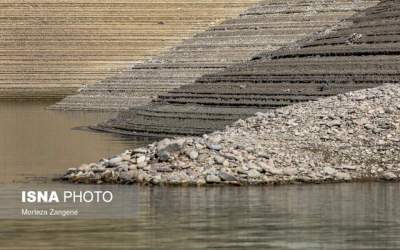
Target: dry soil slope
{"x":50,"y":48}
{"x":266,"y":26}
{"x":361,"y":55}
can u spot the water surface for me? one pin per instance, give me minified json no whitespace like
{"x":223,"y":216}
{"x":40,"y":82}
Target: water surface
{"x":36,"y":144}
{"x":348,"y":216}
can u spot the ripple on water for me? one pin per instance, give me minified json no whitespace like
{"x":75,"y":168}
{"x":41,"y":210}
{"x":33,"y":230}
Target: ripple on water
{"x":338,"y":216}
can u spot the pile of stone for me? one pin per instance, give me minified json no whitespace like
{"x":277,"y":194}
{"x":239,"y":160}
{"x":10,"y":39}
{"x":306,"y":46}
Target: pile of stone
{"x":267,"y":26}
{"x":349,"y":137}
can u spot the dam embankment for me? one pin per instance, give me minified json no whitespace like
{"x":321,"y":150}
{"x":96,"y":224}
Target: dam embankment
{"x":364,"y":53}
{"x":266,"y":26}
{"x":50,"y":49}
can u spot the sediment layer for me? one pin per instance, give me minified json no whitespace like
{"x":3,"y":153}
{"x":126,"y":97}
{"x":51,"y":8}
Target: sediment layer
{"x":362,"y":54}
{"x":49,"y":49}
{"x":350,"y":137}
{"x":267,"y":26}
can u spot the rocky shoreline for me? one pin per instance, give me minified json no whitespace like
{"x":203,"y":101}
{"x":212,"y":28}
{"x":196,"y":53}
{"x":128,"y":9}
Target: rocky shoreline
{"x":349,"y":137}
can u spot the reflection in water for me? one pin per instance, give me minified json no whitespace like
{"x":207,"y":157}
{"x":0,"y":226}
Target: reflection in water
{"x":344,"y":216}
{"x":36,"y":142}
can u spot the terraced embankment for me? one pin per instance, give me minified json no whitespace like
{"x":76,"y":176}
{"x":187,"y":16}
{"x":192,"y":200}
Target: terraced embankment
{"x":49,"y":49}
{"x":361,"y":55}
{"x":267,"y":26}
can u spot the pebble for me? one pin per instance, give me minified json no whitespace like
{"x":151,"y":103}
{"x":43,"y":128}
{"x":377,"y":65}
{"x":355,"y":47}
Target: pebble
{"x":170,"y":146}
{"x":163,"y":155}
{"x":329,"y":171}
{"x":156,"y":180}
{"x":126,"y":178}
{"x":273,"y":170}
{"x":253,"y":173}
{"x":290,"y":171}
{"x":140,"y":151}
{"x":225,"y":163}
{"x":389,"y":176}
{"x":213,"y":179}
{"x":141,"y":159}
{"x":219,"y":159}
{"x":242,"y":170}
{"x":71,"y":170}
{"x":126,"y":157}
{"x":193,"y":155}
{"x":115,"y":160}
{"x":227,"y":177}
{"x":343,"y":176}
{"x":349,"y":167}
{"x":215,"y":147}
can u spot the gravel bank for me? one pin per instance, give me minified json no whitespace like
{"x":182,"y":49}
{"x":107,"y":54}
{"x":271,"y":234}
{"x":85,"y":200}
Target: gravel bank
{"x":350,"y":137}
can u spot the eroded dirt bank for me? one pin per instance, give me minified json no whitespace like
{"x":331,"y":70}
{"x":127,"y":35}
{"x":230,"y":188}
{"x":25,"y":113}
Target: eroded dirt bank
{"x":350,"y":137}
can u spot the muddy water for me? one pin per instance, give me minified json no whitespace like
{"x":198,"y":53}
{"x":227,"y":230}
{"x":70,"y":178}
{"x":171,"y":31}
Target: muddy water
{"x":36,"y":144}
